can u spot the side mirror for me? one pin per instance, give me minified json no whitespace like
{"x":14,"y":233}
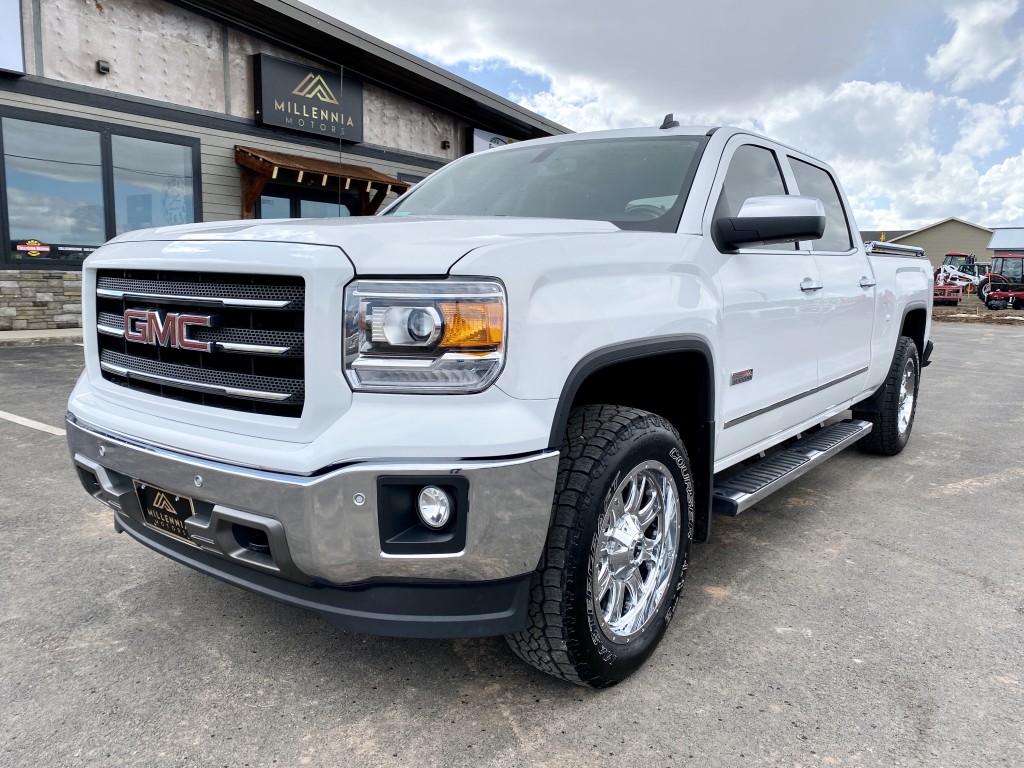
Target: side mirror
{"x":772,"y":219}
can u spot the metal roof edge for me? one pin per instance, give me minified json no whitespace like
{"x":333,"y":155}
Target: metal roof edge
{"x":938,"y":223}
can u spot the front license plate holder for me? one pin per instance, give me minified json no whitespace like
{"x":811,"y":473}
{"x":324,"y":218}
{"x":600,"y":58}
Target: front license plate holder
{"x":165,"y":511}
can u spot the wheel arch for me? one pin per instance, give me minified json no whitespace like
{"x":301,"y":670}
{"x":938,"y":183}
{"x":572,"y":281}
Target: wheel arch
{"x":915,"y":325}
{"x":671,"y":376}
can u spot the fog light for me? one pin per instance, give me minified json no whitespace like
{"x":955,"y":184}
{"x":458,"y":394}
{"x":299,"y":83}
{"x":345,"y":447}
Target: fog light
{"x":434,"y":507}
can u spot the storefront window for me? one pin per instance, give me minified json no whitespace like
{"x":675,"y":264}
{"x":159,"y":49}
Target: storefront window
{"x":272,"y":207}
{"x":152,"y":183}
{"x":314,"y":209}
{"x":68,"y":186}
{"x":299,"y":202}
{"x":54,"y":180}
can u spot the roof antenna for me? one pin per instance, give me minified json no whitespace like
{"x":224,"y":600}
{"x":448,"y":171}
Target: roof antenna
{"x":669,"y":122}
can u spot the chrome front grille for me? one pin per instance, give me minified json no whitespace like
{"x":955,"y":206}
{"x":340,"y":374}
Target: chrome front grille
{"x":243,"y":349}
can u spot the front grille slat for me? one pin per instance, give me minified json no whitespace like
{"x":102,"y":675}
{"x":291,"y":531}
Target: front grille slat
{"x":242,"y":340}
{"x":227,"y":293}
{"x":202,"y":379}
{"x":256,"y":361}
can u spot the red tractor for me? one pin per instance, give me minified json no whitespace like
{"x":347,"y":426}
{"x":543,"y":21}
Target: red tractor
{"x":1004,"y":286}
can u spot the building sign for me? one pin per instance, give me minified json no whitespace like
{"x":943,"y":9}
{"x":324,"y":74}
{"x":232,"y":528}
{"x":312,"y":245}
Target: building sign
{"x":486,"y":140}
{"x":12,"y":51}
{"x":35,"y":249}
{"x":317,"y":101}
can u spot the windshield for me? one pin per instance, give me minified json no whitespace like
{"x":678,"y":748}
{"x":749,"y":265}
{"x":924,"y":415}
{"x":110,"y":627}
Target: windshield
{"x":1013,"y":269}
{"x":638,"y":183}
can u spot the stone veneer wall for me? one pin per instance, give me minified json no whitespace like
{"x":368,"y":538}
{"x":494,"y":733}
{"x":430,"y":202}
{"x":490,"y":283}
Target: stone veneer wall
{"x":37,"y":299}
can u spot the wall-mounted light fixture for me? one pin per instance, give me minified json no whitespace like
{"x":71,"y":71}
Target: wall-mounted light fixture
{"x":103,"y":67}
{"x":446,"y":144}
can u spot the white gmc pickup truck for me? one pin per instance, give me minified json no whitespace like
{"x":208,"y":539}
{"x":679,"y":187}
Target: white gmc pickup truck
{"x":509,"y":404}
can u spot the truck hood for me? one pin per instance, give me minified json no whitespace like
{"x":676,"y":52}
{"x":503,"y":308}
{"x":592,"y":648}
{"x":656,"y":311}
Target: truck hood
{"x":380,"y":245}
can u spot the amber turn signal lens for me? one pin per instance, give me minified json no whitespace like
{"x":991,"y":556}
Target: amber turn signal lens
{"x":472,"y":325}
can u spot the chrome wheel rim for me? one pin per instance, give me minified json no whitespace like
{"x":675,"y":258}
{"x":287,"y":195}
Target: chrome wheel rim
{"x":637,"y":547}
{"x":908,"y":387}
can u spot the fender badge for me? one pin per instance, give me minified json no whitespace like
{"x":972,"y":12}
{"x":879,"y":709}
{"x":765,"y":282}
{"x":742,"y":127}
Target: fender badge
{"x":741,"y":376}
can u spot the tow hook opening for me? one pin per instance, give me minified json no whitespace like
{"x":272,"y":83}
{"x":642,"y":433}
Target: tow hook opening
{"x":90,"y":482}
{"x":252,"y":539}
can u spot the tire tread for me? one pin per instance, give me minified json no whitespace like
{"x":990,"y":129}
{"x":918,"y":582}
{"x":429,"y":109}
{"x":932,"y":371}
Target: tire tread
{"x":884,"y":438}
{"x":590,"y":438}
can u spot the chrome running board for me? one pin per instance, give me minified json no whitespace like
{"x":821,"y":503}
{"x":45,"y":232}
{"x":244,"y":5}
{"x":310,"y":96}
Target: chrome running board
{"x":745,"y":489}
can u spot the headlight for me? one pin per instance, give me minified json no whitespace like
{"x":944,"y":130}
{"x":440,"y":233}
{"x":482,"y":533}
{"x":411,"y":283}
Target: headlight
{"x":443,"y":336}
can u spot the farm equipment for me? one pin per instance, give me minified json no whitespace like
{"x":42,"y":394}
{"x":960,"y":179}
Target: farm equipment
{"x":962,"y":269}
{"x":946,"y":290}
{"x":1003,"y":287}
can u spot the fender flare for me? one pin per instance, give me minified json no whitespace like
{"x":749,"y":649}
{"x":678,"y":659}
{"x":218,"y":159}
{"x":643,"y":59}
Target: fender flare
{"x":702,"y":452}
{"x":913,"y":306}
{"x":873,"y":402}
{"x":621,"y":353}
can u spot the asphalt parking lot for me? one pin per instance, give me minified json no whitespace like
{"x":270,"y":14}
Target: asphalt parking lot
{"x":870,"y":614}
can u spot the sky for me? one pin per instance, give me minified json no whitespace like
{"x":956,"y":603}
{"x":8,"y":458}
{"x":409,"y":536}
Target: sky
{"x":917,"y":104}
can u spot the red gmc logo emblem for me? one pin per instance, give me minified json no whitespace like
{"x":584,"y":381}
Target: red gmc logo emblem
{"x":148,"y":326}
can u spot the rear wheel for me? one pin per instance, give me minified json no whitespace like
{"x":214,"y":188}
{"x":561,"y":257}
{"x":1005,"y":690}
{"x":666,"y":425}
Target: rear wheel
{"x":893,"y":423}
{"x":616,"y":554}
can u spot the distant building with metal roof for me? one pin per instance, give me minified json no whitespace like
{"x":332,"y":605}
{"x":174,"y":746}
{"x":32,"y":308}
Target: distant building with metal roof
{"x":950,"y":235}
{"x":1007,"y":240}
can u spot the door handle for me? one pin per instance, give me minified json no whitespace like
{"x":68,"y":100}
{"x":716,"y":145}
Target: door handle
{"x":867,"y":282}
{"x":807,"y":285}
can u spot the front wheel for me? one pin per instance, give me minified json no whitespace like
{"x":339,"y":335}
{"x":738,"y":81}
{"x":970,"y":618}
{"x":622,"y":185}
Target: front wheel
{"x":983,"y":290}
{"x":617,"y":550}
{"x":892,"y":424}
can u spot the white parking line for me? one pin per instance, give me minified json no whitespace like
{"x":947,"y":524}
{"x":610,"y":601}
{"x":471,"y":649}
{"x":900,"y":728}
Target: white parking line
{"x":33,"y":424}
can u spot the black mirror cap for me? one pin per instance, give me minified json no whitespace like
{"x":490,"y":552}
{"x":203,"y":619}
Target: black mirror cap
{"x":733,"y":232}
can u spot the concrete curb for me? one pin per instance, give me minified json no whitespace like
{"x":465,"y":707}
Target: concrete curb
{"x":33,"y":338}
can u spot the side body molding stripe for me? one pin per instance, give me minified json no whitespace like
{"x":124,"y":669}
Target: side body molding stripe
{"x":793,"y":399}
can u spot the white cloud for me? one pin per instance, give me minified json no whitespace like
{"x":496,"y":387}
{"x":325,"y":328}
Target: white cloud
{"x":979,"y":51}
{"x":1003,"y":185}
{"x":982,"y":131}
{"x":907,"y":156}
{"x":665,"y":56}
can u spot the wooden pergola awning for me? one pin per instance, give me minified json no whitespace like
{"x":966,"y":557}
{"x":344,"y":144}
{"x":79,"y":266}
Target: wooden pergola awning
{"x":259,"y":166}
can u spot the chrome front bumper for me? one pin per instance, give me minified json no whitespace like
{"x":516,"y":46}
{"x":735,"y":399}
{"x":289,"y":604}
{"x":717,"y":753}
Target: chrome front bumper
{"x":322,"y":529}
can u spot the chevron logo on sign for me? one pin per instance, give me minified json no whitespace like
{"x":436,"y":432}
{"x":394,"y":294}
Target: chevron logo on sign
{"x":162,"y":502}
{"x":314,"y":87}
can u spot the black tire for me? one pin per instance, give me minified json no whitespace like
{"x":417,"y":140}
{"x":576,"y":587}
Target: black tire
{"x":890,"y":432}
{"x":983,"y":290}
{"x":569,"y":634}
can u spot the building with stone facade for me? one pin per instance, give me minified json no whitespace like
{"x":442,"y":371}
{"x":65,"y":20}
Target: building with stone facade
{"x":123,"y":114}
